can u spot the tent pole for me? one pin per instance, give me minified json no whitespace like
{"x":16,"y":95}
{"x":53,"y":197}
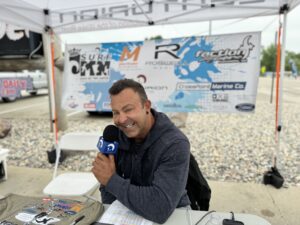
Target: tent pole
{"x":281,"y":77}
{"x":48,"y":52}
{"x":273,"y":72}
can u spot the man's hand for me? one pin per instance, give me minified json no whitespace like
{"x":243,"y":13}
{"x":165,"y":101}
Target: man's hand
{"x":103,"y":168}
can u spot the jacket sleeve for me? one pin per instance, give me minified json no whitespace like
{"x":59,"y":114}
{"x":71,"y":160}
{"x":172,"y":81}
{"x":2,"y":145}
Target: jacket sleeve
{"x":106,"y":197}
{"x":158,"y":201}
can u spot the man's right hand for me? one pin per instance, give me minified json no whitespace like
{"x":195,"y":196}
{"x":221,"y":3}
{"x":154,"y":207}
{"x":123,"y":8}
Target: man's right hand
{"x":104,"y":168}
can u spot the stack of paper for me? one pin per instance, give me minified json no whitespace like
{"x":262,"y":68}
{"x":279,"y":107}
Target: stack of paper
{"x":119,"y":214}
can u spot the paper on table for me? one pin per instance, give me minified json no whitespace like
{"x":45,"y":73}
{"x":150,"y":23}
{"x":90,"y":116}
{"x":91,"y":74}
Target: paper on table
{"x":119,"y":214}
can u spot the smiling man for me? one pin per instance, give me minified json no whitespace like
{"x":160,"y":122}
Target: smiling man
{"x":149,"y":172}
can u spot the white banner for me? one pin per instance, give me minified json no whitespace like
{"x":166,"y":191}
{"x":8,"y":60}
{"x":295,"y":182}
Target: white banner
{"x":194,"y":74}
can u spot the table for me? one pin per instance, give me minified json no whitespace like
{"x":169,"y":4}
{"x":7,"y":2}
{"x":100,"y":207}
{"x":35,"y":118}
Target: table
{"x":181,"y":217}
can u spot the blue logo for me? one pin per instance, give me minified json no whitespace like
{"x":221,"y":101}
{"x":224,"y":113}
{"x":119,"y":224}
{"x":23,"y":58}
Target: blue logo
{"x":107,"y":147}
{"x":245,"y":107}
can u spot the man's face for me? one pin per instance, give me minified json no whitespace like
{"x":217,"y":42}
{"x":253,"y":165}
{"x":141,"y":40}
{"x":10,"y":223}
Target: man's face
{"x":130,"y":114}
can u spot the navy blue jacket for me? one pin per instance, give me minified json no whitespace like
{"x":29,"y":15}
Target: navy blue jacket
{"x":151,"y":177}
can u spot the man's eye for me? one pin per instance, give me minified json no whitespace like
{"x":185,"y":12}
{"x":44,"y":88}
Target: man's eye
{"x":127,"y":110}
{"x":115,"y":113}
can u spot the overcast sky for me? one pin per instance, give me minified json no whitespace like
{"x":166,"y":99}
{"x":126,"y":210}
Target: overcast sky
{"x":268,"y":25}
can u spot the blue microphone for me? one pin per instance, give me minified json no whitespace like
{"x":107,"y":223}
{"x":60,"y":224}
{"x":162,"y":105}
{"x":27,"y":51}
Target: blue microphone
{"x":107,"y":143}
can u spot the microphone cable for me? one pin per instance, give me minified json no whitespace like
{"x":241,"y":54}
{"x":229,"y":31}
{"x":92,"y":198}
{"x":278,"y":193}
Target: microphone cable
{"x":206,"y":214}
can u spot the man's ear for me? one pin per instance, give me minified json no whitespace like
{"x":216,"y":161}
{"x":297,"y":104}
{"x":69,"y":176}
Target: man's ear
{"x":148,"y":105}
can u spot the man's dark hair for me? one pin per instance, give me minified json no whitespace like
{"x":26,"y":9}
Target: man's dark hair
{"x":120,"y":85}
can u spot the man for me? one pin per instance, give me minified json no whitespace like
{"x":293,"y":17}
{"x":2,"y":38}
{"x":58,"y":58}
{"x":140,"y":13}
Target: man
{"x":149,"y":173}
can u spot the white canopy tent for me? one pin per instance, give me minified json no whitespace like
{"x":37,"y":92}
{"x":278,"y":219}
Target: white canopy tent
{"x":78,"y":15}
{"x":68,"y":16}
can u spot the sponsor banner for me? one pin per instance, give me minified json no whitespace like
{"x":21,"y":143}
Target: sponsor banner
{"x":194,"y":74}
{"x":11,"y":87}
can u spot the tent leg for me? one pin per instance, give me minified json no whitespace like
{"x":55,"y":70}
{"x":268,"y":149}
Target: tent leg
{"x":273,"y":176}
{"x":273,"y":74}
{"x":278,"y":161}
{"x":48,"y":52}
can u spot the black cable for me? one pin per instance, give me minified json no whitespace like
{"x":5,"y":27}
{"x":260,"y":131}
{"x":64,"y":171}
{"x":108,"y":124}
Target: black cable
{"x":209,"y":212}
{"x":232,"y":217}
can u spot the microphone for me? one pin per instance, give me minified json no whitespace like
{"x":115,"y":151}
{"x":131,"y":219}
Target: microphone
{"x":107,"y":143}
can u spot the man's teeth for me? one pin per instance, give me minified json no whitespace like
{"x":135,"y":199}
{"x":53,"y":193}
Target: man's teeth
{"x":129,"y":125}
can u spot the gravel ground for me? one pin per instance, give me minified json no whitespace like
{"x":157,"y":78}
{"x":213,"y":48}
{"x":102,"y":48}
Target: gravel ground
{"x":228,"y":147}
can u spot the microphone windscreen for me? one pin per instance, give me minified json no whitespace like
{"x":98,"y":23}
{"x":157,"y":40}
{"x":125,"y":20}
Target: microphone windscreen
{"x":111,"y":133}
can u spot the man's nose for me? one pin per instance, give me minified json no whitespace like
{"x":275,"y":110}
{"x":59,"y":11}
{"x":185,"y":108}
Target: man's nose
{"x":122,"y":118}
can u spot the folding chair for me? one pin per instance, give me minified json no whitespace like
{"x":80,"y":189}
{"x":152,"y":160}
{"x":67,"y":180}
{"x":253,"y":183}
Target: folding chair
{"x":73,"y":184}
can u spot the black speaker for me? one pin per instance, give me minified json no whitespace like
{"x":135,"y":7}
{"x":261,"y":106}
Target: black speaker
{"x":15,"y":44}
{"x":52,"y":156}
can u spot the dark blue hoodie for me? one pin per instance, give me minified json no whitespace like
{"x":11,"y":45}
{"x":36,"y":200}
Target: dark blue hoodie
{"x":151,"y":176}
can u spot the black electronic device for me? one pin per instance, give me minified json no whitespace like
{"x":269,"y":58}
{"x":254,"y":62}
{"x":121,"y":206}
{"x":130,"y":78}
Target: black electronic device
{"x":232,"y":222}
{"x":273,"y":177}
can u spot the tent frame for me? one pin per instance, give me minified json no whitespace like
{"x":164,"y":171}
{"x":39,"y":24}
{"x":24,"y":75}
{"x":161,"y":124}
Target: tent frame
{"x":14,"y":12}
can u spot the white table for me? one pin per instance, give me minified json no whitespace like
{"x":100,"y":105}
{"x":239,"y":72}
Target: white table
{"x":182,"y":216}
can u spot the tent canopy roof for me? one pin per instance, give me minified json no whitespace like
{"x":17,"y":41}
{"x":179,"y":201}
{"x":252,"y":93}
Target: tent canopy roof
{"x":80,"y":15}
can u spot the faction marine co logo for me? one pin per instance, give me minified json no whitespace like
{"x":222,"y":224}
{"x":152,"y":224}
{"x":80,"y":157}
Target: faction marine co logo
{"x":228,"y":55}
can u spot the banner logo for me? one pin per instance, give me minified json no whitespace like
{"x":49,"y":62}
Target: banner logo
{"x":90,"y":64}
{"x":245,"y":107}
{"x":169,"y":50}
{"x":228,"y":86}
{"x":239,"y":55}
{"x":142,"y":79}
{"x":220,"y":97}
{"x":126,"y":54}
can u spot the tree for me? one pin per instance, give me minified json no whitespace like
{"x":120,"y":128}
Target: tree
{"x":269,"y":58}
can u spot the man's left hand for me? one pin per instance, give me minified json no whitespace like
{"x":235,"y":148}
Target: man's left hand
{"x":103,"y":168}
